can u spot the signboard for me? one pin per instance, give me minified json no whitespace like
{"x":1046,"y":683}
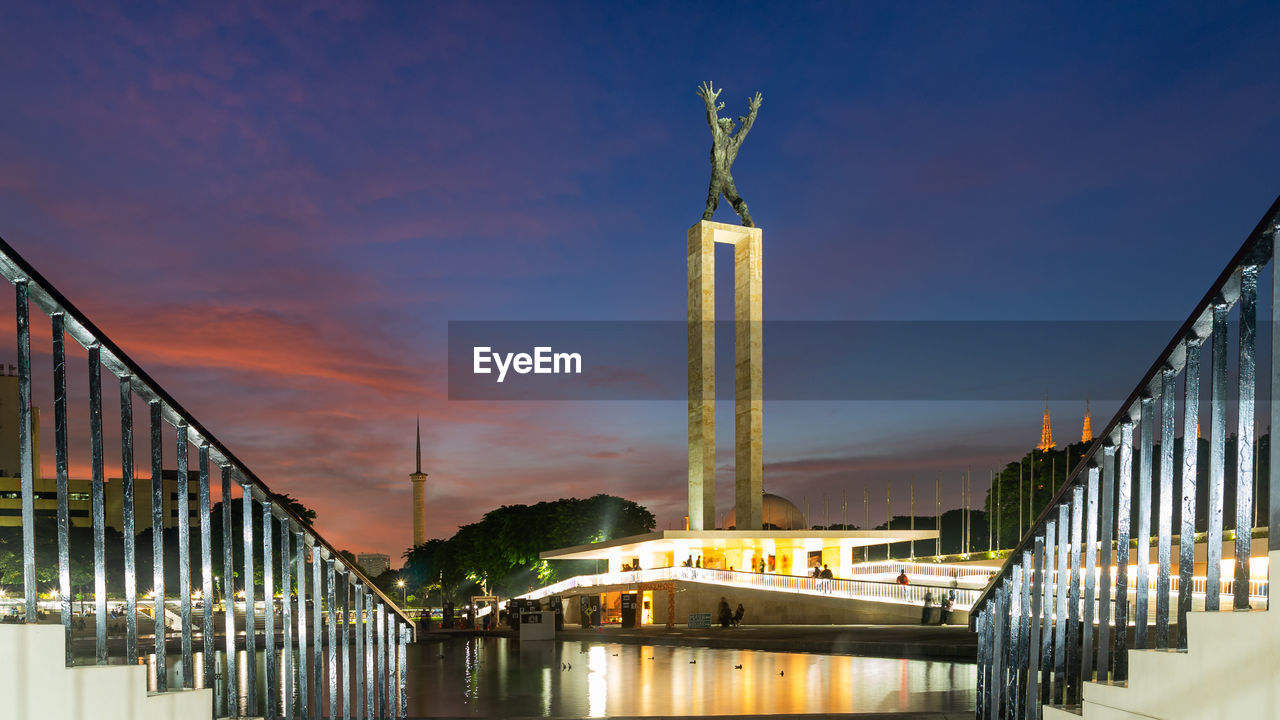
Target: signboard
{"x":699,"y":620}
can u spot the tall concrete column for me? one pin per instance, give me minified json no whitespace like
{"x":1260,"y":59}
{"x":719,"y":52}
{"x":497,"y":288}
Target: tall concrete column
{"x":419,"y":507}
{"x":702,"y":377}
{"x":748,"y":373}
{"x":419,"y":480}
{"x":748,"y":381}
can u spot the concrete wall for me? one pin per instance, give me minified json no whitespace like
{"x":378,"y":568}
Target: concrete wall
{"x":35,"y":683}
{"x":765,"y":607}
{"x":1229,"y":671}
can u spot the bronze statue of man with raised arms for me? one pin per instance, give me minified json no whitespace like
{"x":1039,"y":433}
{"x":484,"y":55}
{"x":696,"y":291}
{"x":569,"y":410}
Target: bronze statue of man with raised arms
{"x":724,"y":150}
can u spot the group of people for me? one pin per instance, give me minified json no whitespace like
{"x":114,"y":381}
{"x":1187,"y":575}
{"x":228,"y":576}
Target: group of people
{"x":823,"y":572}
{"x":948,"y":600}
{"x":729,"y":619}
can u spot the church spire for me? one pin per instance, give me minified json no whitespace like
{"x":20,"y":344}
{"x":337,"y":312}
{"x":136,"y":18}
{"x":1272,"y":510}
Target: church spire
{"x":1086,"y":434}
{"x":1046,"y":430}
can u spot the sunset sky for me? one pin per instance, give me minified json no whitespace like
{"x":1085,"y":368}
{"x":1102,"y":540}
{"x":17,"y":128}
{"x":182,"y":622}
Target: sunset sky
{"x":276,"y":208}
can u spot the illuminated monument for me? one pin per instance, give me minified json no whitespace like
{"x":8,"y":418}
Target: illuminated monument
{"x":419,"y":480}
{"x":789,"y":546}
{"x":748,"y":365}
{"x":748,"y":374}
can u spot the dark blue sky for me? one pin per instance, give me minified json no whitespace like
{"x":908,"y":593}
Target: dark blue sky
{"x":278,"y":207}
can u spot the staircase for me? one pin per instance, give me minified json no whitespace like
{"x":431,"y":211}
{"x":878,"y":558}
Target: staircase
{"x":1052,"y":615}
{"x":36,"y":683}
{"x":1231,"y":670}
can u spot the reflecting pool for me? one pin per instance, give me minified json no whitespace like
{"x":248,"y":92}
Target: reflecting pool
{"x":496,"y":677}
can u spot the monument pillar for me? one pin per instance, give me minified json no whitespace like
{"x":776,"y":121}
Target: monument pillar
{"x":419,"y":480}
{"x":748,"y":373}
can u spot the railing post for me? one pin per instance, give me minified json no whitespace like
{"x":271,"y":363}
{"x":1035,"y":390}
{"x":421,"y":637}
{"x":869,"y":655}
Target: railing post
{"x":1090,"y":569}
{"x":130,"y":533}
{"x":288,"y":666}
{"x":331,"y":596}
{"x":1123,"y":514}
{"x":346,"y":642}
{"x":389,"y":644}
{"x":984,"y":664}
{"x":60,"y":444}
{"x":1001,"y":625}
{"x":184,"y":556}
{"x":1024,"y":635}
{"x":1190,"y":467}
{"x":370,"y":688}
{"x":207,"y":642}
{"x":228,"y":597}
{"x":25,"y":458}
{"x":99,"y":502}
{"x":1032,"y":699}
{"x":402,"y":664}
{"x":1142,"y":583}
{"x":157,"y":543}
{"x":1011,"y":685}
{"x":250,"y":608}
{"x":1064,"y":580}
{"x":1164,"y":532}
{"x":268,"y":611}
{"x":1048,"y":593}
{"x":1073,"y":598}
{"x":317,"y":631}
{"x":1247,"y":376}
{"x":359,"y":629}
{"x":1217,"y":454}
{"x":300,"y":565}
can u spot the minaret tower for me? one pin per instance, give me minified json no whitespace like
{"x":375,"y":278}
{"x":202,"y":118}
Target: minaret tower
{"x":419,"y":480}
{"x":1086,"y":434}
{"x":1046,"y":431}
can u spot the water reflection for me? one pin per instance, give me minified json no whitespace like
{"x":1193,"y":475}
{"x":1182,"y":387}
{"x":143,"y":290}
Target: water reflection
{"x":494,"y":677}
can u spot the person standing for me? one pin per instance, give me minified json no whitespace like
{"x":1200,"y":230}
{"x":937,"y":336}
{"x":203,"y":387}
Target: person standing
{"x":928,"y":606}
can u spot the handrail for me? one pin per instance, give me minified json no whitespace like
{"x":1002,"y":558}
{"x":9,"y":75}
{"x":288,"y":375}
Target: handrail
{"x":394,"y":628}
{"x":1257,"y":250}
{"x":1036,"y":618}
{"x":854,"y":589}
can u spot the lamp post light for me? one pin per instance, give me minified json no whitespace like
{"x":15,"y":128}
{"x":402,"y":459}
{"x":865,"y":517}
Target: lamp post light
{"x":403,"y":592}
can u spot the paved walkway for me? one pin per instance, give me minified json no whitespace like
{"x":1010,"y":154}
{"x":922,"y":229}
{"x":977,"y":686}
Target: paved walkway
{"x":932,"y":642}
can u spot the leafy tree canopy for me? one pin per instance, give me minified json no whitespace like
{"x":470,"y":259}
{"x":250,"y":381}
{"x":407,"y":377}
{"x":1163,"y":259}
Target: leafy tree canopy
{"x":501,"y":551}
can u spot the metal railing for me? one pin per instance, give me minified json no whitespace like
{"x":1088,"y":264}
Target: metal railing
{"x":381,"y":630}
{"x":874,"y":590}
{"x":926,"y":569}
{"x":1037,"y":641}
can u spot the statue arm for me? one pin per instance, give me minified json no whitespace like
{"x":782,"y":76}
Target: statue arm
{"x":748,"y":121}
{"x":709,"y":96}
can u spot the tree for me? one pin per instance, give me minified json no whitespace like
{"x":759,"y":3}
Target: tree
{"x":501,"y":551}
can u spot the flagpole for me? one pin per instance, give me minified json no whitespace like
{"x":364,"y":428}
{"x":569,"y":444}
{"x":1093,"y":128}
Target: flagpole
{"x":888,"y":517}
{"x":937,"y":515}
{"x":913,"y":517}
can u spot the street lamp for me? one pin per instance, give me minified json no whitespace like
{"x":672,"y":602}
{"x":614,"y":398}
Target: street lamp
{"x":403,"y":592}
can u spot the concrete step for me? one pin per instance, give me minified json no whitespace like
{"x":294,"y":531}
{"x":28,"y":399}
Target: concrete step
{"x":36,"y":683}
